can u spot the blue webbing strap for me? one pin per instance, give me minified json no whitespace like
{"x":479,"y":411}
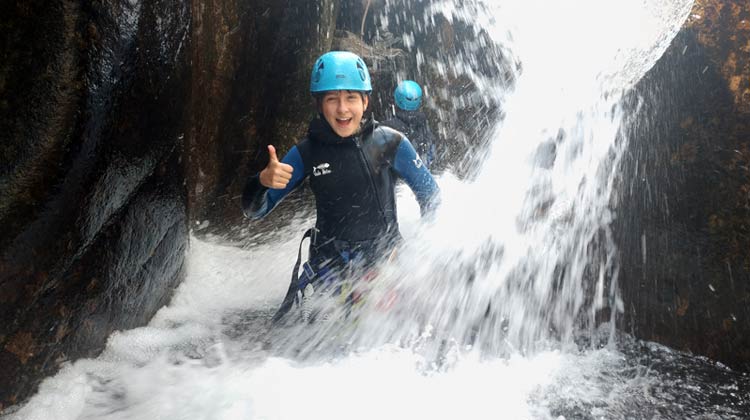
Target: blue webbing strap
{"x":291,"y":293}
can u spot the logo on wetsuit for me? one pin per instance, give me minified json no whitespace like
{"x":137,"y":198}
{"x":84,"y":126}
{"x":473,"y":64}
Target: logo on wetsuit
{"x":418,"y":162}
{"x":322,"y":169}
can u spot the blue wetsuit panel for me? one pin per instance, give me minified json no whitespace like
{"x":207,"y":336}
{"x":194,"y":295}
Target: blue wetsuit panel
{"x":411,"y":168}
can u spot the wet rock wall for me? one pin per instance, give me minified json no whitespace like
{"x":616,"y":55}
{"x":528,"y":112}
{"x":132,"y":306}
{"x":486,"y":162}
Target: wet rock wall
{"x":251,"y":63}
{"x":92,"y":182}
{"x":684,"y":213}
{"x":124,"y":123}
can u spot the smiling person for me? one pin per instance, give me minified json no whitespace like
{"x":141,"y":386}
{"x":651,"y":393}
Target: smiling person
{"x":353,"y":164}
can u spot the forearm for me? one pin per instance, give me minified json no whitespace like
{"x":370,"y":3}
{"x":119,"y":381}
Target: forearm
{"x":429,"y":202}
{"x":410,"y":168}
{"x":255,"y":203}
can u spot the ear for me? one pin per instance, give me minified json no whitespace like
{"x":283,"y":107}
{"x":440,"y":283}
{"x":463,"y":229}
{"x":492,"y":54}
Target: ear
{"x":366,"y":100}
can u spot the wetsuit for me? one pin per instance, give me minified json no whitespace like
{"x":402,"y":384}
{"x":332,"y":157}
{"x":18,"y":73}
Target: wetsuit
{"x":353,"y":180}
{"x":414,"y":125}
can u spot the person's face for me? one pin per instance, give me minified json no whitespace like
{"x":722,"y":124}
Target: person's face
{"x":343,"y":109}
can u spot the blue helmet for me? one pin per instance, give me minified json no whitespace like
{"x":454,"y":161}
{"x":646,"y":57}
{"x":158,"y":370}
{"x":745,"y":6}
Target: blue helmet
{"x":340,"y":70}
{"x":408,"y":95}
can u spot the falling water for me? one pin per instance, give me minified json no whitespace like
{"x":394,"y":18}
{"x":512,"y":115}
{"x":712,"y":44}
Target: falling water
{"x":522,"y":257}
{"x":501,"y":306}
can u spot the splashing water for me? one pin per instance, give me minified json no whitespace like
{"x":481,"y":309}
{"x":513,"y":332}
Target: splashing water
{"x":524,"y":254}
{"x":484,"y":304}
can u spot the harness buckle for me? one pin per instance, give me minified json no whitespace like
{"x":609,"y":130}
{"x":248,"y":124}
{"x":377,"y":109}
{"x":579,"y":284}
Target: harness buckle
{"x":307,"y":268}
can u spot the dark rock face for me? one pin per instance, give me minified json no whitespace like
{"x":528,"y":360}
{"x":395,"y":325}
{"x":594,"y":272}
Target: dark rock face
{"x":93,"y":204}
{"x":684,"y":218}
{"x":94,"y":186}
{"x":250,"y":88}
{"x":459,"y":110}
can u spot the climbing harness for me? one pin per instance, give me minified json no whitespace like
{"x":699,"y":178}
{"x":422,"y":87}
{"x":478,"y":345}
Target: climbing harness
{"x":328,"y":271}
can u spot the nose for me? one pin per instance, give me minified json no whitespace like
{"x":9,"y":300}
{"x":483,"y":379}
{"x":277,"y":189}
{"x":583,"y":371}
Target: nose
{"x":341,"y":106}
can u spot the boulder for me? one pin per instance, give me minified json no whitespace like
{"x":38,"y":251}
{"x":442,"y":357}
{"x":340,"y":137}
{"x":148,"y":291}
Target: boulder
{"x":92,"y":181}
{"x":683,"y":216}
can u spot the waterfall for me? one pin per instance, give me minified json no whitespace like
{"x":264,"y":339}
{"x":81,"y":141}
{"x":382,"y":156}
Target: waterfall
{"x":521,"y":256}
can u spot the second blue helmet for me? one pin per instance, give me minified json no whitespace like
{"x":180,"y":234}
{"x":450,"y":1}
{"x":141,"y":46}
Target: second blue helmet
{"x":408,"y":95}
{"x":340,"y":70}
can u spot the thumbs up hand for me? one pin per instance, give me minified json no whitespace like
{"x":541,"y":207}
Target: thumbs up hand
{"x":276,"y":175}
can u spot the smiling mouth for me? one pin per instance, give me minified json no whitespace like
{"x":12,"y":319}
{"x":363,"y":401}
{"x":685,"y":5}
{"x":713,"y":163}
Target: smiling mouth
{"x":343,"y":121}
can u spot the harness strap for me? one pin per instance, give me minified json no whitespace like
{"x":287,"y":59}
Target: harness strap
{"x":291,"y":293}
{"x":333,"y":249}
